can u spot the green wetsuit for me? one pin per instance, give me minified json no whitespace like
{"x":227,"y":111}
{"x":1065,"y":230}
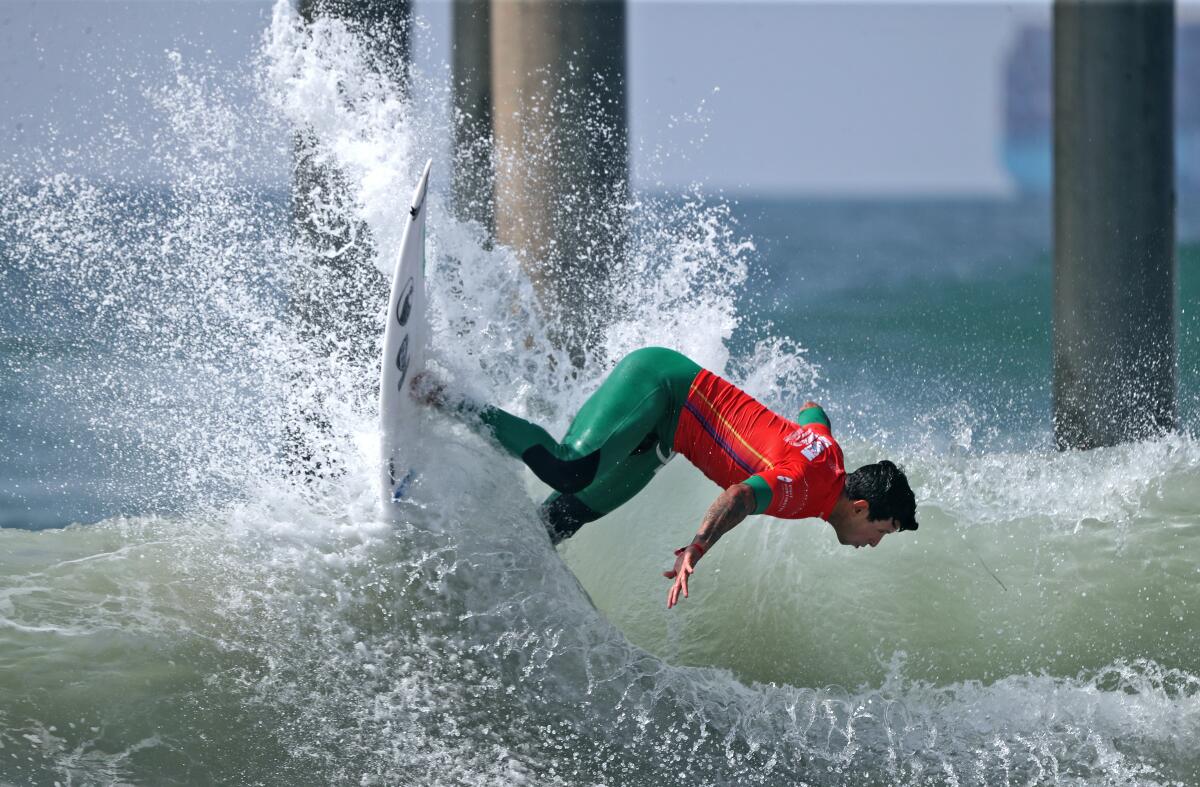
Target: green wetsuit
{"x":618,"y":440}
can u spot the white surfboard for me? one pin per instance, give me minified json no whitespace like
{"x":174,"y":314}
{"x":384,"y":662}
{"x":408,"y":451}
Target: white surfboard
{"x":405,"y":343}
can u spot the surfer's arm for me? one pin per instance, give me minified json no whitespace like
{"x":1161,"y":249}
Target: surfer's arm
{"x":727,"y":511}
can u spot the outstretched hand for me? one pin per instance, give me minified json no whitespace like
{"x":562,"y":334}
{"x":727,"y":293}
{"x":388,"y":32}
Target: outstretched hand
{"x":427,"y":389}
{"x":685,"y":564}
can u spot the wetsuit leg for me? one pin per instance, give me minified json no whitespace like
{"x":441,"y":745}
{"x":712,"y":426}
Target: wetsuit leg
{"x":565,"y":514}
{"x":639,"y":398}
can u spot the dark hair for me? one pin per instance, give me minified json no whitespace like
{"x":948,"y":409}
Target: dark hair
{"x":885,"y":488}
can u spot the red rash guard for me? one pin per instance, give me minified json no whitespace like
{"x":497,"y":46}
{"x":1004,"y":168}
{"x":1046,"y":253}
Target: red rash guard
{"x":796,"y":470}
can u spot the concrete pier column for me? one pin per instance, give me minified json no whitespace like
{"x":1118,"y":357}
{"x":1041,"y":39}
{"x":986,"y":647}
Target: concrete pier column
{"x":559,"y":113}
{"x":335,"y":294}
{"x":1115,"y":368}
{"x":471,"y":66}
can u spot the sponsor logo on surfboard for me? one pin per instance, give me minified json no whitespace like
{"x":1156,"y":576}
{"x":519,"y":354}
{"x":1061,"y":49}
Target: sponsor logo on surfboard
{"x":402,"y":362}
{"x":404,"y":305}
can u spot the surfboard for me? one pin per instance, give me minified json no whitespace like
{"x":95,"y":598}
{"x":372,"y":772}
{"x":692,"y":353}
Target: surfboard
{"x":405,"y":345}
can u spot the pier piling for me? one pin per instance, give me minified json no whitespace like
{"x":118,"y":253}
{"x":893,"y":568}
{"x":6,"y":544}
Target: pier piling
{"x":471,"y":69}
{"x":1115,"y":325}
{"x":559,"y":114}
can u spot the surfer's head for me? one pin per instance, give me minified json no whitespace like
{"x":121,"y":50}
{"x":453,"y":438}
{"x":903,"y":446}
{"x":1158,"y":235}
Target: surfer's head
{"x":876,"y":500}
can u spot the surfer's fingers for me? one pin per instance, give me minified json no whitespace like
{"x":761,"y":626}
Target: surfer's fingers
{"x":680,"y":582}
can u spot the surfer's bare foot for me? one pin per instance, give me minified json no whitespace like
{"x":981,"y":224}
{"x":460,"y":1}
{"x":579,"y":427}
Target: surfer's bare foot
{"x":427,"y":389}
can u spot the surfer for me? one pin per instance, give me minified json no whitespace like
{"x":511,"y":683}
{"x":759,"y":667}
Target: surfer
{"x":657,"y":403}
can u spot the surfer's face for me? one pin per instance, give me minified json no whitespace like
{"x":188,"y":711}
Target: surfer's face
{"x":859,"y":531}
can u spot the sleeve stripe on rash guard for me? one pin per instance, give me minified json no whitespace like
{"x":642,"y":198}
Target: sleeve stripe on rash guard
{"x":814,"y":415}
{"x":767,"y":464}
{"x":707,"y":427}
{"x":762,"y":493}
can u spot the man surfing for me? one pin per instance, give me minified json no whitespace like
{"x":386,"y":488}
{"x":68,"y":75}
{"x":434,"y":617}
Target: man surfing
{"x":657,"y":403}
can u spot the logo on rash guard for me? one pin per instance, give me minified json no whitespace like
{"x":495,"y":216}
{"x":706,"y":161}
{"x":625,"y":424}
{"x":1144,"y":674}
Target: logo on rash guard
{"x":785,"y":491}
{"x":791,"y":494}
{"x":811,"y":444}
